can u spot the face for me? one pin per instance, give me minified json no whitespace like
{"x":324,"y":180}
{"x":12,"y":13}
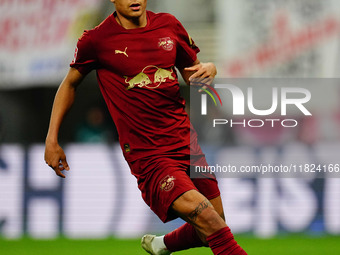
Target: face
{"x":130,"y":9}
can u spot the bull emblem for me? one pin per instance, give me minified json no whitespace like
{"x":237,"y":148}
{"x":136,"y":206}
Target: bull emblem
{"x":161,"y":75}
{"x":139,"y":80}
{"x":143,"y":80}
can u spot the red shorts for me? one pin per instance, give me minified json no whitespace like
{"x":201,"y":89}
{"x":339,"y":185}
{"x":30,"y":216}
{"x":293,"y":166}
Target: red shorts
{"x":166,"y":179}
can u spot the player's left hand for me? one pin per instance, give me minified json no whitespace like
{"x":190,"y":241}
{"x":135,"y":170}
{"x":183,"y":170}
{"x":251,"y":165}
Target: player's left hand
{"x":203,"y":75}
{"x":202,"y":71}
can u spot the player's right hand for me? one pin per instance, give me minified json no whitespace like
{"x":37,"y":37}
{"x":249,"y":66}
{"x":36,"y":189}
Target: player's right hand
{"x":56,"y":158}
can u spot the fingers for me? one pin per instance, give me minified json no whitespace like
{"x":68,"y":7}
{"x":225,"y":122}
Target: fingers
{"x":201,"y":90}
{"x":64,"y":164}
{"x":203,"y":83}
{"x":59,"y":166}
{"x":56,"y":159}
{"x":193,"y":68}
{"x":59,"y":173}
{"x":202,"y":71}
{"x":198,"y":70}
{"x":57,"y":169}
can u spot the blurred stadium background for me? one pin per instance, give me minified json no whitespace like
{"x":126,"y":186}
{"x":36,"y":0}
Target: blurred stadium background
{"x":97,"y":209}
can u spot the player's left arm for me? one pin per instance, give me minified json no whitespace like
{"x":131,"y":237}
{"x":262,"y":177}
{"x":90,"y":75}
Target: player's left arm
{"x":202,"y":71}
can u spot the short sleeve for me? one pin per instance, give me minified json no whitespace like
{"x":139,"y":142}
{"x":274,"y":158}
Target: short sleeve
{"x":85,"y":59}
{"x":186,"y":47}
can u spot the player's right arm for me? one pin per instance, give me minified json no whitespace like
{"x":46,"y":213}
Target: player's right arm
{"x":54,"y":154}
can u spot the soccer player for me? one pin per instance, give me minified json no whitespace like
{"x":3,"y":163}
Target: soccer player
{"x":135,"y":52}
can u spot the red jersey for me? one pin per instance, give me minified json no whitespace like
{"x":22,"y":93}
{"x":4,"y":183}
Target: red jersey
{"x":137,"y":77}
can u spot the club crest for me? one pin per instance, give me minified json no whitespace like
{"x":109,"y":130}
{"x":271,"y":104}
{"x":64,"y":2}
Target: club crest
{"x":166,"y":43}
{"x":167,"y":183}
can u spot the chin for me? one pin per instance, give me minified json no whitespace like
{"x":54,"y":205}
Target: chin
{"x":136,"y":13}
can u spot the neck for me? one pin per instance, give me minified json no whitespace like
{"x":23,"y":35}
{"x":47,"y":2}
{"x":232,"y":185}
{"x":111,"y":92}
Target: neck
{"x":133,"y":22}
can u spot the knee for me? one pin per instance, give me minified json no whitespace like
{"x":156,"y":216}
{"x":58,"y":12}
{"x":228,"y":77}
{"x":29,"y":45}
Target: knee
{"x":217,"y":204}
{"x":208,"y":221}
{"x":220,"y":212}
{"x":202,"y":215}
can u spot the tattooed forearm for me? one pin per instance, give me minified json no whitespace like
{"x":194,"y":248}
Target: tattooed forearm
{"x":198,"y":210}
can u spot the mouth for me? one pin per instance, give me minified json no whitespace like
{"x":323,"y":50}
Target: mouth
{"x":135,"y":6}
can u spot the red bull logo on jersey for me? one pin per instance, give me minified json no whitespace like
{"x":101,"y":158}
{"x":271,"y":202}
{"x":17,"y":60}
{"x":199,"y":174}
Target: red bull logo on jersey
{"x":140,"y":80}
{"x":143,"y":80}
{"x":167,"y":183}
{"x":166,"y":43}
{"x":161,"y":75}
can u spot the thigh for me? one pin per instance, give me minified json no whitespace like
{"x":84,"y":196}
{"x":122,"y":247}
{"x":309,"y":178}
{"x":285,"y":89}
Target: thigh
{"x":165,"y":181}
{"x":207,"y":185}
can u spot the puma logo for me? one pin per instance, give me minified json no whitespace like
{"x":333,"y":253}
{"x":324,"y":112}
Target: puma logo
{"x":122,"y":52}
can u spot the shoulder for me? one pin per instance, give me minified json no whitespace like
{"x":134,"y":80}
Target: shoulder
{"x":162,"y":17}
{"x":98,"y":30}
{"x":104,"y":27}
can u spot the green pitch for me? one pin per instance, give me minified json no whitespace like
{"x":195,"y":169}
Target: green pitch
{"x":292,"y":245}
